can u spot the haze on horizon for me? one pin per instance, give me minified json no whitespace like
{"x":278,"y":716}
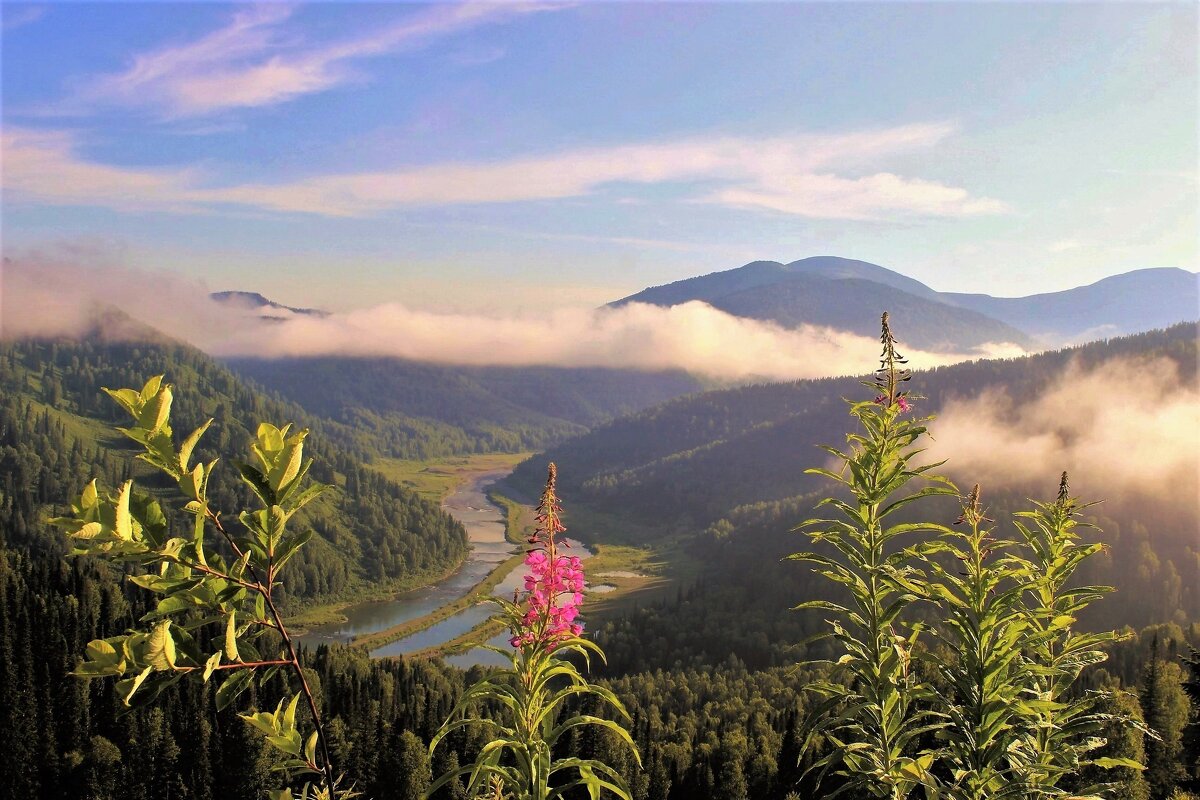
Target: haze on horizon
{"x":470,"y":157}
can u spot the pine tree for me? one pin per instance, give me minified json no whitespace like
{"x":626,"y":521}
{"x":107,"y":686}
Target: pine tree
{"x":1166,"y":710}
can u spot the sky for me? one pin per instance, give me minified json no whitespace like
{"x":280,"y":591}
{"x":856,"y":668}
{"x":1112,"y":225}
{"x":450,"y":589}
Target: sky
{"x":500,"y":156}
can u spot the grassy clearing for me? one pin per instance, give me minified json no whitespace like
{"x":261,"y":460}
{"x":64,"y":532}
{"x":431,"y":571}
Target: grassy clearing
{"x":519,"y":519}
{"x":460,"y":644}
{"x":434,"y":480}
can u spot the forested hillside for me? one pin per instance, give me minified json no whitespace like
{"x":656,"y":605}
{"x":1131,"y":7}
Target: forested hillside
{"x":419,"y":410}
{"x":55,"y":434}
{"x":728,"y":467}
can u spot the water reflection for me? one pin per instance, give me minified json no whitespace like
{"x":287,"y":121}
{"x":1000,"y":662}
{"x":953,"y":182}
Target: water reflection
{"x":485,"y":530}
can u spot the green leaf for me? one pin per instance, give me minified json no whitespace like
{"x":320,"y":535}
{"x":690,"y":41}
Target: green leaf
{"x":213,"y":662}
{"x":160,"y":647}
{"x":1114,"y":763}
{"x":126,"y":688}
{"x":233,"y":686}
{"x":289,"y":715}
{"x":123,"y":526}
{"x":157,"y":409}
{"x":231,"y":648}
{"x":189,"y":444}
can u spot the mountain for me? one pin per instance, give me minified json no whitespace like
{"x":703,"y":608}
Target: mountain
{"x":268,"y":309}
{"x":847,"y":295}
{"x":1115,"y":306}
{"x":839,"y":293}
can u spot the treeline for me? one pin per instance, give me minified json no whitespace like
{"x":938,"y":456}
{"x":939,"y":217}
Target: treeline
{"x":721,"y":731}
{"x":55,"y":435}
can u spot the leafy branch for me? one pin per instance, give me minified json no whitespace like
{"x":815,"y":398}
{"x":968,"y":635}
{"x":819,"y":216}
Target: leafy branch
{"x":202,"y":589}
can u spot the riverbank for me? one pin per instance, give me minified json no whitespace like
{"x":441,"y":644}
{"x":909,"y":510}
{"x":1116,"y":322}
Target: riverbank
{"x":436,"y":481}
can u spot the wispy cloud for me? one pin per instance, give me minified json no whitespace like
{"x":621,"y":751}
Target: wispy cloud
{"x":258,"y":60}
{"x":1065,"y":245}
{"x":42,"y":167}
{"x":53,"y":295}
{"x":792,"y":175}
{"x":16,"y":15}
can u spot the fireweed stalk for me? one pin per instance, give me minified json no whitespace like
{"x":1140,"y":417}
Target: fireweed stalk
{"x":867,"y":710}
{"x":1064,"y":726}
{"x":983,"y":623}
{"x":518,"y":763}
{"x":1007,"y":720}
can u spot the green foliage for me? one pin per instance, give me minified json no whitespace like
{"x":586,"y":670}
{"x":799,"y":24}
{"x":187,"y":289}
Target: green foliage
{"x":519,"y":761}
{"x":1064,"y":728}
{"x":868,"y":709}
{"x":225,"y":580}
{"x":985,"y":681}
{"x":997,"y":721}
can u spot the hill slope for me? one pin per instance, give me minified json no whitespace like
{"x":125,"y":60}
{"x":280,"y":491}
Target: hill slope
{"x":421,"y":410}
{"x":56,"y":433}
{"x":1122,"y":304}
{"x":683,"y":467}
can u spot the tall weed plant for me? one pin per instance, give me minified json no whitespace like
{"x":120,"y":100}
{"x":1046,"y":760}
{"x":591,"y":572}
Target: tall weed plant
{"x":989,"y":619}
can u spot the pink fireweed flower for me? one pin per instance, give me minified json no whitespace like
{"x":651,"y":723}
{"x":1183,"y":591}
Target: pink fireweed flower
{"x":554,"y":584}
{"x":901,"y":402}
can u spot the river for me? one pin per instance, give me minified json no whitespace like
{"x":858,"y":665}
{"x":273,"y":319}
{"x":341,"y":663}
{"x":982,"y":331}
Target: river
{"x":484,"y":523}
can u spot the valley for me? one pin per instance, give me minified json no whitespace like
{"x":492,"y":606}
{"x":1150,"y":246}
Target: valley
{"x":683,"y":495}
{"x":507,"y":400}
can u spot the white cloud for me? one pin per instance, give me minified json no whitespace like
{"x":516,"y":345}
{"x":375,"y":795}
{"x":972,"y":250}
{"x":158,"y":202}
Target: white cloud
{"x":42,"y":167}
{"x":51,"y":295}
{"x":784,"y":174}
{"x":1127,"y":428}
{"x":254,"y":60}
{"x":825,"y":196}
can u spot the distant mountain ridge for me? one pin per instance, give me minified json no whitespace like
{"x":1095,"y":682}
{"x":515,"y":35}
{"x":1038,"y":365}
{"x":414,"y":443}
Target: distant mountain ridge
{"x":1132,"y":302}
{"x":847,"y":294}
{"x":255,"y":301}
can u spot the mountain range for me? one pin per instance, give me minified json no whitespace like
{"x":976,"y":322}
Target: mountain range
{"x":848,"y":295}
{"x":422,"y":410}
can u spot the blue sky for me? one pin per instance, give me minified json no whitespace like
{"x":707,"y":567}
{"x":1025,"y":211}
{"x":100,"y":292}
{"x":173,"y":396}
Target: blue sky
{"x":498,"y":156}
